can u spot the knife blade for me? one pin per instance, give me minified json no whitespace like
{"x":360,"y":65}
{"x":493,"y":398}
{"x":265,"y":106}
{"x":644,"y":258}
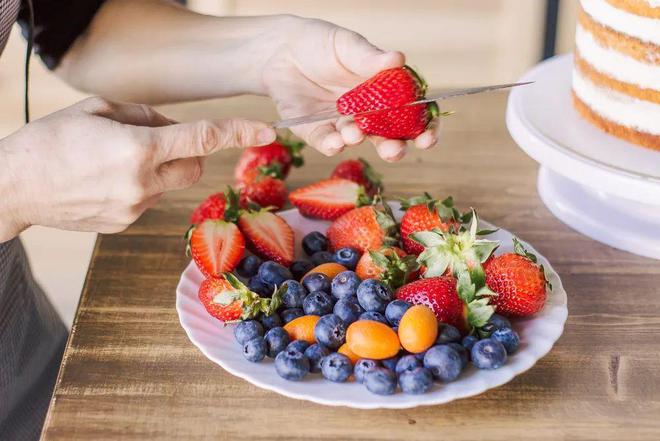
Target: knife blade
{"x":333,"y":114}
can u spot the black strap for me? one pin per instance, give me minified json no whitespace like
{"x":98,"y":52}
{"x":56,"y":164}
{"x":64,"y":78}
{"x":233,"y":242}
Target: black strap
{"x":30,"y":41}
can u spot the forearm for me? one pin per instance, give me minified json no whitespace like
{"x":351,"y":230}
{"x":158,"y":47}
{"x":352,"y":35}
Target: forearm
{"x":154,"y":51}
{"x":12,"y":221}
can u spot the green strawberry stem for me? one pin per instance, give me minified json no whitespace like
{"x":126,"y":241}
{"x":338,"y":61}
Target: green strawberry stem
{"x":395,"y":269}
{"x":252,"y":303}
{"x":374,"y":178}
{"x":295,"y":148}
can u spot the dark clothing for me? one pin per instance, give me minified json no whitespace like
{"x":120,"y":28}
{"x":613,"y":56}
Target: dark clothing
{"x":32,"y":336}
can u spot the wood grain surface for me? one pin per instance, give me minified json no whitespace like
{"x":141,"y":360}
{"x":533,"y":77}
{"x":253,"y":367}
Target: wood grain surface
{"x":130,"y":373}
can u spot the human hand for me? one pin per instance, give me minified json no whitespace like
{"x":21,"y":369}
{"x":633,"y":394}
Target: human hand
{"x":315,"y":65}
{"x":98,"y":165}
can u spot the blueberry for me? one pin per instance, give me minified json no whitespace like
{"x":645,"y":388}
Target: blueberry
{"x":420,"y":356}
{"x":444,"y":363}
{"x":314,"y":242}
{"x":255,"y":284}
{"x":348,"y":309}
{"x":363,"y":366}
{"x":298,"y":345}
{"x":380,"y":381}
{"x":407,"y":363}
{"x":294,"y":295}
{"x":462,"y":352}
{"x":373,"y":295}
{"x":291,"y":314}
{"x":248,"y":330}
{"x":509,"y":339}
{"x":374,"y":316}
{"x":496,"y":321}
{"x":274,"y":273}
{"x":469,"y":341}
{"x":316,"y":282}
{"x":395,"y":310}
{"x":255,"y":350}
{"x":321,"y":257}
{"x":345,"y":284}
{"x":416,"y":381}
{"x":347,"y":257}
{"x":315,"y":353}
{"x":271,"y":321}
{"x":299,"y":268}
{"x":448,"y":334}
{"x":390,"y":363}
{"x":249,"y":266}
{"x":330,"y":331}
{"x":277,"y":340}
{"x":291,"y":364}
{"x":336,"y":367}
{"x":318,"y":303}
{"x":488,"y":354}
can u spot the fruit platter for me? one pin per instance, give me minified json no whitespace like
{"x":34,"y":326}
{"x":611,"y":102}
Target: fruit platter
{"x":359,"y":299}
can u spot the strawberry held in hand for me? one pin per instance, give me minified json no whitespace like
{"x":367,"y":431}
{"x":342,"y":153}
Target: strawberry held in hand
{"x":264,"y":186}
{"x":390,"y":88}
{"x":519,"y":282}
{"x":328,"y":199}
{"x":360,"y":172}
{"x":424,"y":214}
{"x":228,"y":300}
{"x":216,"y":246}
{"x":365,"y":228}
{"x":284,"y":153}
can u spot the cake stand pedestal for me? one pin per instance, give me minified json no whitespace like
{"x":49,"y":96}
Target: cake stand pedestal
{"x":603,"y":187}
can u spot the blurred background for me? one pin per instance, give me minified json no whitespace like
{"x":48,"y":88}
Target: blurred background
{"x":454,"y":43}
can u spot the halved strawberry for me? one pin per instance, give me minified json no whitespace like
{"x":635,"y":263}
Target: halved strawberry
{"x":213,"y":207}
{"x":328,"y":199}
{"x":268,"y":235}
{"x":390,"y":264}
{"x":216,"y":246}
{"x":360,"y":172}
{"x":363,"y":229}
{"x":284,"y":153}
{"x":424,"y":214}
{"x":229,"y":300}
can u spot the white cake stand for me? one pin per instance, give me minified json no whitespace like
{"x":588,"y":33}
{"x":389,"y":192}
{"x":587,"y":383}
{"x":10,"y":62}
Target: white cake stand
{"x":601,"y":186}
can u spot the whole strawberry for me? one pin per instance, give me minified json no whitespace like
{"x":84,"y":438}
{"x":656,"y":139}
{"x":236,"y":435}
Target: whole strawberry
{"x":213,"y":207}
{"x":519,"y":282}
{"x":360,"y":172}
{"x":328,"y":199}
{"x":365,"y":228}
{"x":284,"y":153}
{"x":264,"y":186}
{"x":390,"y":265}
{"x":424,"y":214}
{"x":390,"y":88}
{"x":228,"y":300}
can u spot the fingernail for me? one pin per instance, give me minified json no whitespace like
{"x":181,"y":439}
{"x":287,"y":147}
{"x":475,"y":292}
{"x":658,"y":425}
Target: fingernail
{"x":265,"y":136}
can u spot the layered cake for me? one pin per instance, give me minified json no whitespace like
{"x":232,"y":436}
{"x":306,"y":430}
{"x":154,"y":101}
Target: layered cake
{"x":616,"y":80}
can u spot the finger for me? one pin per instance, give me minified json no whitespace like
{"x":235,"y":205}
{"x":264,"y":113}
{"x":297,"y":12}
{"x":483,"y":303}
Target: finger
{"x":125,"y":113}
{"x":323,"y":137}
{"x":350,"y":132}
{"x":205,"y":137}
{"x":179,"y":174}
{"x":361,"y":57}
{"x":426,"y":140}
{"x":391,"y":150}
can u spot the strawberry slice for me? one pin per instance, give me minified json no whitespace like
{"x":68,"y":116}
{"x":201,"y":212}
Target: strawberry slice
{"x":216,"y":246}
{"x":328,"y":199}
{"x":268,"y":235}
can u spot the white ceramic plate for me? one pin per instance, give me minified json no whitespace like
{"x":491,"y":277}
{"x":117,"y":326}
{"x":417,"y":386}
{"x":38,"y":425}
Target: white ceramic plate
{"x":537,"y":335}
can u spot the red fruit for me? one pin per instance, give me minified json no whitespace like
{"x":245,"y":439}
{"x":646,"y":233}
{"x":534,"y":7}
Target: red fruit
{"x":283,"y":153}
{"x":228,"y":300}
{"x":264,"y":188}
{"x":390,"y":88}
{"x":328,"y":199}
{"x":216,"y":246}
{"x":519,"y":283}
{"x":360,"y":172}
{"x":439,"y":294}
{"x":391,"y":265}
{"x":268,"y":235}
{"x":425,"y":214}
{"x":365,"y":228}
{"x":213,"y":207}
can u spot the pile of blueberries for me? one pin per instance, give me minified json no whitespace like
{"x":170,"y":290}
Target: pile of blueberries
{"x":342,"y":301}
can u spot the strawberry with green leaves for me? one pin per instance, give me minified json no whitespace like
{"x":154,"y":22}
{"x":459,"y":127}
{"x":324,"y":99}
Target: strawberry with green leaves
{"x":360,"y":172}
{"x":365,"y":228}
{"x":391,"y":265}
{"x":264,"y":186}
{"x":424,"y":213}
{"x":229,"y":300}
{"x":328,"y":199}
{"x":282,"y":152}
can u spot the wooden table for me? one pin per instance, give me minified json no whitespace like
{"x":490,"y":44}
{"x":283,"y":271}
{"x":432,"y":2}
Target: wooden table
{"x":129,"y":371}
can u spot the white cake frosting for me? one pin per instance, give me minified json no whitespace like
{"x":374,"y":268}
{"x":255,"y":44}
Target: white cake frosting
{"x":643,"y":28}
{"x":616,"y":64}
{"x":617,"y":107}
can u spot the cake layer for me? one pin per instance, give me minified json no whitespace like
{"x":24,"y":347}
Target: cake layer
{"x":645,"y":8}
{"x":607,"y":37}
{"x":643,"y":28}
{"x":617,"y":107}
{"x":615,"y":64}
{"x":618,"y":130}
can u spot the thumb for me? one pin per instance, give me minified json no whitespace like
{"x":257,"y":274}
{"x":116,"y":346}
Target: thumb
{"x":361,"y":57}
{"x":202,"y":138}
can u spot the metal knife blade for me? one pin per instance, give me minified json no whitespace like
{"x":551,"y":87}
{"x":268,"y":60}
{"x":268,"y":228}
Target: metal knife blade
{"x":333,"y":114}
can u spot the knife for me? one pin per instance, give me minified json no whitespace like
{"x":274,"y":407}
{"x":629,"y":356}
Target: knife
{"x":333,"y":114}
